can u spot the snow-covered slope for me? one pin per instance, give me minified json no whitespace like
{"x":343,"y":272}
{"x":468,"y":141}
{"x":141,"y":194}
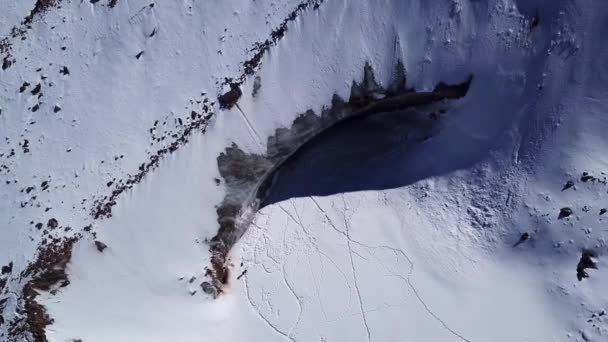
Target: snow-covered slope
{"x":383,"y":229}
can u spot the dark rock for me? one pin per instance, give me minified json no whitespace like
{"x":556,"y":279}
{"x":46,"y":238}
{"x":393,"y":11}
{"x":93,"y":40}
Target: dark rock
{"x":586,"y":177}
{"x":568,"y":185}
{"x":230,"y":98}
{"x":100,"y":246}
{"x":208,"y":288}
{"x":52,"y":223}
{"x":36,"y":89}
{"x":257,"y":84}
{"x":56,"y":109}
{"x":138,"y":56}
{"x":564,"y":212}
{"x":24,"y":87}
{"x":46,"y":273}
{"x":603,"y":211}
{"x":6,"y":63}
{"x":523,"y":238}
{"x":585,"y":263}
{"x":8,"y":268}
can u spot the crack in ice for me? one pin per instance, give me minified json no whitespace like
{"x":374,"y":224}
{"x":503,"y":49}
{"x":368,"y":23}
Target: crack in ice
{"x":407,"y":279}
{"x":256,"y":310}
{"x":352,"y":264}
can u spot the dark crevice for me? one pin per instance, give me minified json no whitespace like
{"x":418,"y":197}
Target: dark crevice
{"x":250,"y":178}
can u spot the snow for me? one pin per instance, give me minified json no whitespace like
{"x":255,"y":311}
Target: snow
{"x":401,"y":288}
{"x":428,"y":258}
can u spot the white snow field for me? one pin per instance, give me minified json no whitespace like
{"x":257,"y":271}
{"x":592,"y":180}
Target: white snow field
{"x":428,"y":247}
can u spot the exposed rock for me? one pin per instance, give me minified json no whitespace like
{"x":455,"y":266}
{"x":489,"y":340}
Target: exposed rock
{"x":523,"y":238}
{"x":260,"y":48}
{"x":100,"y":246}
{"x":8,"y":268}
{"x":564,"y":212}
{"x":24,"y":87}
{"x":36,"y":89}
{"x":209,"y":289}
{"x":6,"y":63}
{"x":367,"y":91}
{"x":230,"y":98}
{"x":257,"y":84}
{"x":568,"y":185}
{"x":586,"y":261}
{"x":52,"y":223}
{"x":45,"y":273}
{"x":103,"y":207}
{"x":587,"y":177}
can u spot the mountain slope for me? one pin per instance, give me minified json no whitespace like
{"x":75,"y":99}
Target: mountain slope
{"x":385,"y":229}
